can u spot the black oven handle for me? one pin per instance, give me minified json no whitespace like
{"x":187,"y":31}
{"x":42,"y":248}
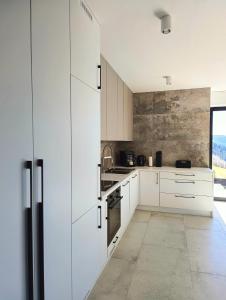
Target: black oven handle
{"x":113,"y":203}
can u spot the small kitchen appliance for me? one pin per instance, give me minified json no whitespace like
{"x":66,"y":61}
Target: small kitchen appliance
{"x":183,"y":163}
{"x":158,"y":159}
{"x":141,"y":160}
{"x":127,"y":158}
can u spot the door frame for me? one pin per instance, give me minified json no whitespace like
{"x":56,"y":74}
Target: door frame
{"x":212,"y":109}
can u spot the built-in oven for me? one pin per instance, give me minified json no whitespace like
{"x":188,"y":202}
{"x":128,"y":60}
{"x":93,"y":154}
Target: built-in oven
{"x":114,"y":214}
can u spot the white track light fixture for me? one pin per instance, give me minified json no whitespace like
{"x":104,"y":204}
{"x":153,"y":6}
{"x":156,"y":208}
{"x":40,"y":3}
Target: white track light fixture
{"x":166,"y":24}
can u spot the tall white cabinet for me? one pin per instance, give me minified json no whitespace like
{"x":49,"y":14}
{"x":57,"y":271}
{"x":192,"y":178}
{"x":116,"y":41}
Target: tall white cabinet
{"x":52,"y":140}
{"x":89,"y":232}
{"x":16,"y":146}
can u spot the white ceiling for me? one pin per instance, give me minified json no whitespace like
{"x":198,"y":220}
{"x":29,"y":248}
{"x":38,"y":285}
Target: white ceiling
{"x":194,"y":54}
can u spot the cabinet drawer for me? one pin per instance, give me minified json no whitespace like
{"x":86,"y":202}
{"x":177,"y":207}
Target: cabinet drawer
{"x":191,"y":202}
{"x":186,"y":186}
{"x":206,"y":176}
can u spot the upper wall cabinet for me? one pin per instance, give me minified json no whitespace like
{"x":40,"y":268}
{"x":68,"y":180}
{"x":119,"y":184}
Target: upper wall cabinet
{"x":128,"y":114}
{"x":85,"y":44}
{"x":116,"y":106}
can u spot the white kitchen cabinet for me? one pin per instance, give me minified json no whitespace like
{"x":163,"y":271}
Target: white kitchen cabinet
{"x":149,"y":188}
{"x":128,"y":114}
{"x":52,"y":139}
{"x":85,"y":112}
{"x":120,"y":105}
{"x":89,"y":251}
{"x":16,"y":145}
{"x":103,"y":99}
{"x":85,"y":44}
{"x":134,"y":192}
{"x":112,"y":104}
{"x":125,"y":205}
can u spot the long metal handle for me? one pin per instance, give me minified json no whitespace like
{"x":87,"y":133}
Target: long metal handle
{"x":99,"y":68}
{"x":157,"y":178}
{"x":40,"y":164}
{"x":99,"y":189}
{"x":177,"y":181}
{"x":134,"y":176}
{"x":178,"y":174}
{"x":183,"y":196}
{"x":29,"y":235}
{"x":100,"y":224}
{"x":106,"y":215}
{"x":115,"y":240}
{"x":126,"y":183}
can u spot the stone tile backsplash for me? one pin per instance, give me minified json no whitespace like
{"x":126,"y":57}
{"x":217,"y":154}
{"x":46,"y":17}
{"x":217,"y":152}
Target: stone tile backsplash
{"x":175,"y":122}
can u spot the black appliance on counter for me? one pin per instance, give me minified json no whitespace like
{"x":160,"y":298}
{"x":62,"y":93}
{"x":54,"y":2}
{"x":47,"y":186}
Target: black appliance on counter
{"x":183,"y":164}
{"x":141,"y":160}
{"x":158,"y":159}
{"x":114,"y":214}
{"x":127,"y":158}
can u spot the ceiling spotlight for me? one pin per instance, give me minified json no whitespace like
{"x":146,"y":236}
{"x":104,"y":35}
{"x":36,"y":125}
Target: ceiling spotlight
{"x":166,"y":24}
{"x":168,"y":80}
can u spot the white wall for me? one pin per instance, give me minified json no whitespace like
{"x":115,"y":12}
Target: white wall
{"x":218,"y":98}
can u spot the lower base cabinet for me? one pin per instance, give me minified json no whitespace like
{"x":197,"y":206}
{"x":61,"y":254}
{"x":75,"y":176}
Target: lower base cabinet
{"x":134,"y":192}
{"x":125,"y":203}
{"x":89,"y":250}
{"x":149,"y":188}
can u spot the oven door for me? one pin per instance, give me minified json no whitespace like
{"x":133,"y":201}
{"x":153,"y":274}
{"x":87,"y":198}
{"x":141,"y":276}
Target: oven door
{"x":114,"y":217}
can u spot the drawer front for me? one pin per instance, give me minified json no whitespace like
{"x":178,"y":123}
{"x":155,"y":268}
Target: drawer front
{"x":186,"y":186}
{"x":206,"y":176}
{"x":202,"y":203}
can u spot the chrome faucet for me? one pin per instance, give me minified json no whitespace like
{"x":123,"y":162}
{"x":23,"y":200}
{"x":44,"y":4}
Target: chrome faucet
{"x":108,"y":157}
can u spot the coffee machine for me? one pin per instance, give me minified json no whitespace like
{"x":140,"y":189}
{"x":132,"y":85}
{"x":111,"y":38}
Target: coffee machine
{"x":127,"y":158}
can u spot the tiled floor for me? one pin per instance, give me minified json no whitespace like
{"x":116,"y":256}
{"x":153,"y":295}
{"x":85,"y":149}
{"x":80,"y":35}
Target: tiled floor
{"x":167,"y":257}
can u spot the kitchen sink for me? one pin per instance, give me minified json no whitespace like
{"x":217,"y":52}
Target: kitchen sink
{"x":119,"y":171}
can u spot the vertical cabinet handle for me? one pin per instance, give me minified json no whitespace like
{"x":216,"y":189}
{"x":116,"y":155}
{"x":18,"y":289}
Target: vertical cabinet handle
{"x":99,"y":188}
{"x":99,"y":85}
{"x":157,"y":178}
{"x":41,"y":233}
{"x":29,"y":235}
{"x":100,"y":224}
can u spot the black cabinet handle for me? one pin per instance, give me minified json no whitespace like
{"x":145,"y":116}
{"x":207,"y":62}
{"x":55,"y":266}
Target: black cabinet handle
{"x":99,"y":86}
{"x":99,"y":196}
{"x":100,"y":224}
{"x":115,"y":240}
{"x":40,"y":220}
{"x":29,"y":236}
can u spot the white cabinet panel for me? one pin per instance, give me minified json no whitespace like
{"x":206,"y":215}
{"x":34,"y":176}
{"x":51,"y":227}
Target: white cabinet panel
{"x":149,"y":188}
{"x":125,"y":205}
{"x":85,"y":43}
{"x":85,"y":112}
{"x":16,"y":143}
{"x":89,"y":251}
{"x":134,"y":192}
{"x":202,"y":203}
{"x":52,"y":139}
{"x":103,"y":99}
{"x":186,"y":186}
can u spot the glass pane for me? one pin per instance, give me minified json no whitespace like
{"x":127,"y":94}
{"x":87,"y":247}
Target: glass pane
{"x":219,"y":153}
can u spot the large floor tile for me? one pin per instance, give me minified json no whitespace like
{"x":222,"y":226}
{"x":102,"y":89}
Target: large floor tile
{"x":161,"y":273}
{"x":206,"y":223}
{"x":165,"y":236}
{"x":114,"y":281}
{"x":141,"y":216}
{"x":162,"y":260}
{"x":130,"y":244}
{"x":206,"y":286}
{"x":204,"y":240}
{"x":168,"y":221}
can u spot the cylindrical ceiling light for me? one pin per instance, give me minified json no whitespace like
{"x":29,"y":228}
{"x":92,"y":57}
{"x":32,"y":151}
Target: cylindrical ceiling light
{"x":166,"y":24}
